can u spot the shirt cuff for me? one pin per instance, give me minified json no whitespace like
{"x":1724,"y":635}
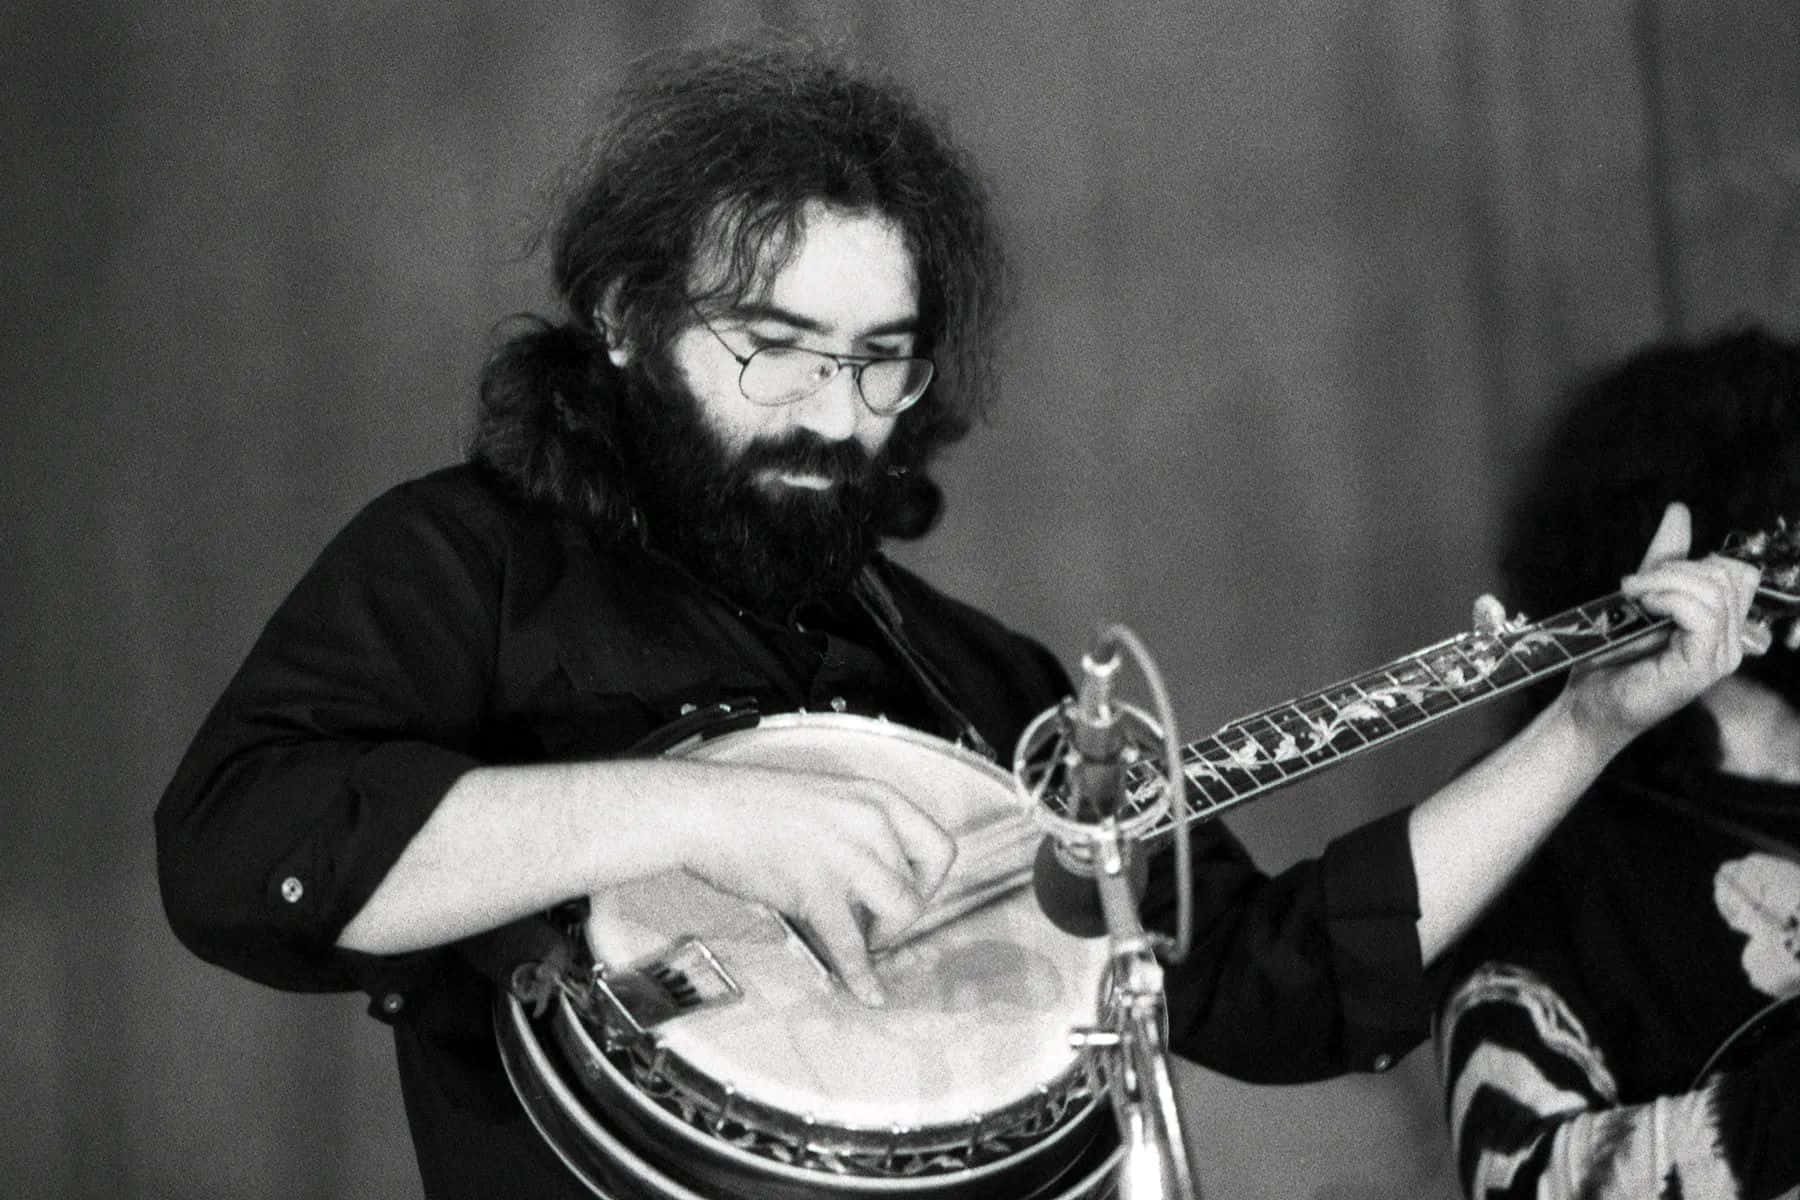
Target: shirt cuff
{"x":388,"y":795}
{"x":1372,"y":910}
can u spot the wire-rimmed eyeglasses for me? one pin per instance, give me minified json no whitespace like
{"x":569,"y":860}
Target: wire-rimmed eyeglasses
{"x":775,"y":375}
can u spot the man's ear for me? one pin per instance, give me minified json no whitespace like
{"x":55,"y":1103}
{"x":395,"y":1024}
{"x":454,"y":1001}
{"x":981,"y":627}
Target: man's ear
{"x":606,"y":320}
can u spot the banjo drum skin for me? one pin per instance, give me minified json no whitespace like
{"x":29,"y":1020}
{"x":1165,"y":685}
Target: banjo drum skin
{"x":702,"y":1049}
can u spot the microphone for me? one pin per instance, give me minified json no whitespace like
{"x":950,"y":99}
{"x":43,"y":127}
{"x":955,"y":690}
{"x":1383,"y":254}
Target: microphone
{"x":1070,"y":896}
{"x":1093,"y":740}
{"x":1097,"y":738}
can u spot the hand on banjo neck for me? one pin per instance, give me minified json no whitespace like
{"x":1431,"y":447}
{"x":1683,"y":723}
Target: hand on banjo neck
{"x":1470,"y":836}
{"x":1675,"y":627}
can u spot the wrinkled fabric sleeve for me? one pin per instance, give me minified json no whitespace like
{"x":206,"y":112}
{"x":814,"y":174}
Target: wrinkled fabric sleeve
{"x":1535,"y":1113}
{"x":354,"y":712}
{"x":1302,"y":975}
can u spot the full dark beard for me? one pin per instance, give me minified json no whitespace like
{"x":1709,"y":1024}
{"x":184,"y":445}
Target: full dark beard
{"x":769,"y":548}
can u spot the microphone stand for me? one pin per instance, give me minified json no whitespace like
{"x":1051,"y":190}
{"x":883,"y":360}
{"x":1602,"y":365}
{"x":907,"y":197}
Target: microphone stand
{"x":1133,"y":1035}
{"x":1069,"y":769}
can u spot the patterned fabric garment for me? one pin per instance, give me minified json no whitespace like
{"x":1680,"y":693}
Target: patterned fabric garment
{"x":1580,"y":1020}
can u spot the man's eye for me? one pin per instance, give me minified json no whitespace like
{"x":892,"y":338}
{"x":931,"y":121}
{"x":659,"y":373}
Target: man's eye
{"x":766,"y":342}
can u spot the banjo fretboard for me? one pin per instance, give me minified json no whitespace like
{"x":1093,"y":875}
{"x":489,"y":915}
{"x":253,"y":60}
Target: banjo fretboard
{"x":1277,"y":746}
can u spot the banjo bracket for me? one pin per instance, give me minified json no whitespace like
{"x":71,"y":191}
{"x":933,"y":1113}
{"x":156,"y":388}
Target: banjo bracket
{"x":683,"y":977}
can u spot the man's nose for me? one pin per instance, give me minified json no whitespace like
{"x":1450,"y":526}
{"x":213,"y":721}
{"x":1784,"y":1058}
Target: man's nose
{"x":834,"y":411}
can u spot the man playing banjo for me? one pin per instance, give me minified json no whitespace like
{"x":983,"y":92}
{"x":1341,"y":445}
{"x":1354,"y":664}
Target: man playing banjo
{"x":780,"y":283}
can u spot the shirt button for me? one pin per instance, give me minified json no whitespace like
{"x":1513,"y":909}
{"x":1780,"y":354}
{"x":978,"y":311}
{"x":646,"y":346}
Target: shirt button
{"x":1383,"y":1062}
{"x":392,"y":1003}
{"x":292,"y":889}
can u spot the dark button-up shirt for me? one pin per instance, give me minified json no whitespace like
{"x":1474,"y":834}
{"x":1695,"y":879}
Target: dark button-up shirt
{"x":450,"y":625}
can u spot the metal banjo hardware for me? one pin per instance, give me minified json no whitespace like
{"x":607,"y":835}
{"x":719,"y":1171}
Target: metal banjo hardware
{"x":697,"y":1049}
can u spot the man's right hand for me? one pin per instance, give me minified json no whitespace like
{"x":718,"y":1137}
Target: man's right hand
{"x":851,"y":857}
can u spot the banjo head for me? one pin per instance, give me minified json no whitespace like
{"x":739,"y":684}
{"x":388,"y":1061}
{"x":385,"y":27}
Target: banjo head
{"x":968,"y":1063}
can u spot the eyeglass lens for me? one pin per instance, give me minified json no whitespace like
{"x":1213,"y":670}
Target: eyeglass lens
{"x":782,"y":374}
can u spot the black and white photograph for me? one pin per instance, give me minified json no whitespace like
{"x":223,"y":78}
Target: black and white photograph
{"x":789,"y":600}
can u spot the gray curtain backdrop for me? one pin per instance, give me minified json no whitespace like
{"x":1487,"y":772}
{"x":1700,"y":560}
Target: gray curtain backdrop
{"x":1296,"y":282}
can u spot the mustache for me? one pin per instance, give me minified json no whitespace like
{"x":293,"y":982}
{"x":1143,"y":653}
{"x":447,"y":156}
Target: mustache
{"x":805,"y":453}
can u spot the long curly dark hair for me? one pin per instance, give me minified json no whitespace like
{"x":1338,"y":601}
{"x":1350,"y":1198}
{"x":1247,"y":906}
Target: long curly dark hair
{"x":1714,"y":424}
{"x":717,"y":151}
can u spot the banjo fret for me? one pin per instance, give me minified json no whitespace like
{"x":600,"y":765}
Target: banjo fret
{"x":1263,"y":752}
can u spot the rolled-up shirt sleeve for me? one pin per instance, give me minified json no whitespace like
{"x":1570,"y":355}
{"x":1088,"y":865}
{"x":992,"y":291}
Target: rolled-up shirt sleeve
{"x":1301,"y":975}
{"x":351,"y":717}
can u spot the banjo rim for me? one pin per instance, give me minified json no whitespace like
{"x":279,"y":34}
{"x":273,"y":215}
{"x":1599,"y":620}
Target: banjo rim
{"x":1064,"y":1105}
{"x":670,"y":1102}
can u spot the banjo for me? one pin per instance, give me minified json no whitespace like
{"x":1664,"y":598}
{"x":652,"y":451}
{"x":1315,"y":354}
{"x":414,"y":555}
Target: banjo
{"x":698,"y":1046}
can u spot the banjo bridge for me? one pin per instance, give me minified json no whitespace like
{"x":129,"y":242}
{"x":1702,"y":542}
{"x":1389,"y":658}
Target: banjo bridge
{"x":683,"y":977}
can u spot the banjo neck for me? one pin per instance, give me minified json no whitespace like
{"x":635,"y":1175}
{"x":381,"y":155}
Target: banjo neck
{"x":1260,"y":753}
